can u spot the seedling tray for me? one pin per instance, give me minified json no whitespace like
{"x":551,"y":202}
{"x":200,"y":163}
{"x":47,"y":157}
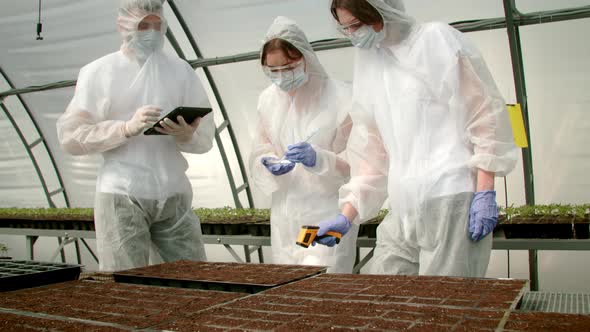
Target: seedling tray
{"x":545,"y":227}
{"x":232,"y":277}
{"x":17,"y":274}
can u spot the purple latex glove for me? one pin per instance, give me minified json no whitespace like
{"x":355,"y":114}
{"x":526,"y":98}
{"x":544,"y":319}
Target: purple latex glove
{"x":483,"y":215}
{"x":277,"y":166}
{"x":340,"y":224}
{"x":303,"y":153}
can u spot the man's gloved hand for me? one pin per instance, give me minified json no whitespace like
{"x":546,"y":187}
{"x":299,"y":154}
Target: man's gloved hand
{"x":340,"y":224}
{"x":483,"y":215}
{"x":182,"y":131}
{"x":303,"y":153}
{"x":145,"y":117}
{"x":277,"y":166}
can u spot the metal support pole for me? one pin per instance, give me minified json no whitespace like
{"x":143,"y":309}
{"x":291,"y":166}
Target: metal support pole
{"x":233,"y":253}
{"x":357,"y":268}
{"x":60,"y":249}
{"x":247,"y":253}
{"x":521,"y":95}
{"x":31,"y":239}
{"x":89,"y":249}
{"x":260,"y":255}
{"x":534,"y":270}
{"x":77,"y":245}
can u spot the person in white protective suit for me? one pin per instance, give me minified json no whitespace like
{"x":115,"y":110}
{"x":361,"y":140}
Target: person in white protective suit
{"x":143,"y":197}
{"x":430,"y":133}
{"x":304,"y":125}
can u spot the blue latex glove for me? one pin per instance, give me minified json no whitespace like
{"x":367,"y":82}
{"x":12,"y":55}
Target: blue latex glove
{"x":483,"y":215}
{"x":277,"y":166}
{"x":303,"y":153}
{"x":340,"y":224}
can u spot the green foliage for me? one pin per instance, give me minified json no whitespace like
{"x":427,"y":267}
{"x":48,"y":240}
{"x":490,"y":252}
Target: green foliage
{"x":227,"y":213}
{"x":3,"y":249}
{"x":256,"y":215}
{"x":557,"y":210}
{"x":40,"y":213}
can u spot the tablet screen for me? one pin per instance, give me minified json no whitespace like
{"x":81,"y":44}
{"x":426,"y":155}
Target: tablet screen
{"x":189,"y":114}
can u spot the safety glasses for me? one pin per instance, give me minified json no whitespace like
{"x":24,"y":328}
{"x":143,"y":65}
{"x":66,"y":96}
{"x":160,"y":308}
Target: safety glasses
{"x":349,"y":29}
{"x":278,"y":70}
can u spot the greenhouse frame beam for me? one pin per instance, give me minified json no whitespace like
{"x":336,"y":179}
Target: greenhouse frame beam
{"x":521,"y":95}
{"x":324,"y":45}
{"x":513,"y":31}
{"x":29,"y":147}
{"x":229,"y":127}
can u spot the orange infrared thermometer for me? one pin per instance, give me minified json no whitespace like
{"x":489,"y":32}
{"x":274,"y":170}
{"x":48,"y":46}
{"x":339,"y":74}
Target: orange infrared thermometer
{"x":308,"y":234}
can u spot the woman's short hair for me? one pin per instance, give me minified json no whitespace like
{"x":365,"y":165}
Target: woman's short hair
{"x":290,"y":51}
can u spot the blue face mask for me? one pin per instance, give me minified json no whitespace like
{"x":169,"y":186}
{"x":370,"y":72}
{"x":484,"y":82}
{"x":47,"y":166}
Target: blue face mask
{"x":290,"y":80}
{"x":365,"y":37}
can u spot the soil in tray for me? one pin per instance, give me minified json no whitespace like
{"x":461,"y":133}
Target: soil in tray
{"x":353,"y":302}
{"x":267,"y":275}
{"x":15,"y":322}
{"x":134,"y":306}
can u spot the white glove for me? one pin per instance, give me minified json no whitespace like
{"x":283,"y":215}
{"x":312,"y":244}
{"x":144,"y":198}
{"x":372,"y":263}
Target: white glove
{"x":182,"y":131}
{"x":145,"y":117}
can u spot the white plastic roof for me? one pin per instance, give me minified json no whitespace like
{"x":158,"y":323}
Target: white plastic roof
{"x":75,"y":32}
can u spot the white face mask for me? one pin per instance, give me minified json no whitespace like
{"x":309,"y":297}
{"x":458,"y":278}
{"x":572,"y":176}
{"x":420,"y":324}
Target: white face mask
{"x":145,"y":42}
{"x":289,"y":79}
{"x":365,"y":37}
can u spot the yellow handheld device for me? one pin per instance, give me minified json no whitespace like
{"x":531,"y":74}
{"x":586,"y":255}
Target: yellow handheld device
{"x":308,"y":234}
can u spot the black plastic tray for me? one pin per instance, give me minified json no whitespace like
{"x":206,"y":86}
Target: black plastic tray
{"x":239,"y":284}
{"x":17,"y":274}
{"x":193,"y":284}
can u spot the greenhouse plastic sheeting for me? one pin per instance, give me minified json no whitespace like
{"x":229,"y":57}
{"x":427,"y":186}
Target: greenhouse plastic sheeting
{"x":78,"y":31}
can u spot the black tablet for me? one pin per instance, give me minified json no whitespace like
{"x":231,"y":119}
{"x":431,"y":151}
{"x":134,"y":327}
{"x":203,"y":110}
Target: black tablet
{"x":189,"y":114}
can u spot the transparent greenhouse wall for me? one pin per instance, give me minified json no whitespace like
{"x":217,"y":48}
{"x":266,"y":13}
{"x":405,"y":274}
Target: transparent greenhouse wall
{"x":556,"y":69}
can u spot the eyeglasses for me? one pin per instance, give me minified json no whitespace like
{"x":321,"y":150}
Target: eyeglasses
{"x":270,"y":71}
{"x":349,"y":29}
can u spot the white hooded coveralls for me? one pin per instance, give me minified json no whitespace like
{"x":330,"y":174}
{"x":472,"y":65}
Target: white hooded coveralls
{"x":143,"y":197}
{"x":427,"y":116}
{"x":306,"y":195}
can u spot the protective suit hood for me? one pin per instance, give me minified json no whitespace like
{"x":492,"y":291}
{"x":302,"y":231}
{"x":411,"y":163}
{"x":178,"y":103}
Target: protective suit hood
{"x":130,"y":14}
{"x":287,"y":30}
{"x":397,"y":23}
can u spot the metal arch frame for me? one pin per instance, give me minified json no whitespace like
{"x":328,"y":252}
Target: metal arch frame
{"x":464,"y":26}
{"x":513,"y":32}
{"x":226,"y":123}
{"x":29,"y":147}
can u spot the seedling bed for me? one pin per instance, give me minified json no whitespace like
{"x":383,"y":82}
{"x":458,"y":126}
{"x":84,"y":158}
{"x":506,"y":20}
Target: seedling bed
{"x":366,"y":302}
{"x":233,"y":277}
{"x":18,"y":274}
{"x":103,"y":304}
{"x":546,"y":227}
